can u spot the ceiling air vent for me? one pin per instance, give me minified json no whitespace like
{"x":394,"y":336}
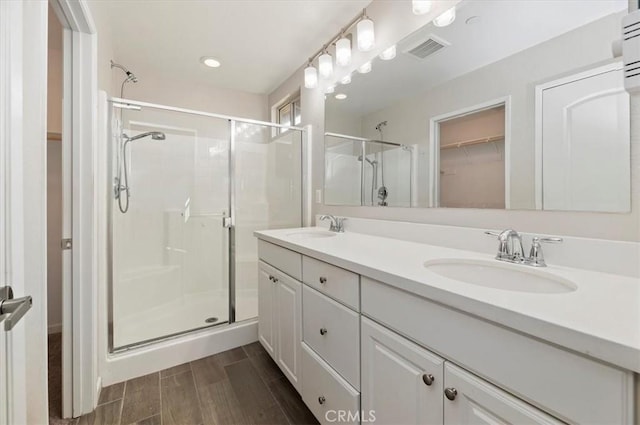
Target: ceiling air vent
{"x":426,"y":48}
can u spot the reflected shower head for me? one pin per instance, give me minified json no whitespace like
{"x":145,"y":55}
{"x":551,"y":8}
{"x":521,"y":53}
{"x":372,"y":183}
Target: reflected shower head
{"x":380,"y":125}
{"x":155,"y":135}
{"x":374,"y":162}
{"x":130,"y":75}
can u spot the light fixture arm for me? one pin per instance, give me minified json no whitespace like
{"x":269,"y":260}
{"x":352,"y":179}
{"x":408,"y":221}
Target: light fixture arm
{"x":339,"y":35}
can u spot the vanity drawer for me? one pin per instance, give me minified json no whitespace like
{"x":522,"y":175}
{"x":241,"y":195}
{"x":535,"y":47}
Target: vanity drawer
{"x":283,"y":259}
{"x":567,"y":385}
{"x":333,"y":331}
{"x":324,"y":391}
{"x":337,"y":283}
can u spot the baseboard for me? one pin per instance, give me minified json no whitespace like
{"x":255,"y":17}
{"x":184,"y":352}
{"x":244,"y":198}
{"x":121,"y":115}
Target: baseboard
{"x":54,"y":329}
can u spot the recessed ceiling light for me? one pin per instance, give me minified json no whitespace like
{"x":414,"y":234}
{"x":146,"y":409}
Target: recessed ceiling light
{"x":210,"y":62}
{"x":364,"y":68}
{"x":341,"y":96}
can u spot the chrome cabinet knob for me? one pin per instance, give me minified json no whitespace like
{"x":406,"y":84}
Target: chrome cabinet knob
{"x":428,"y":379}
{"x":321,"y":399}
{"x":323,"y":280}
{"x":451,"y":393}
{"x":323,"y":331}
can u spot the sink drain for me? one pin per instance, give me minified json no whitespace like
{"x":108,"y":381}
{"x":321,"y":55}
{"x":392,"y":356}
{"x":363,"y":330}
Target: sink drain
{"x":211,"y":320}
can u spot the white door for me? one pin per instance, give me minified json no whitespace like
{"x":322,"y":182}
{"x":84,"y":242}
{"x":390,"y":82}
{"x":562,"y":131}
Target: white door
{"x":23,"y":30}
{"x":266,"y":291}
{"x":288,"y":320}
{"x":586,"y":143}
{"x":402,"y":383}
{"x":471,"y":400}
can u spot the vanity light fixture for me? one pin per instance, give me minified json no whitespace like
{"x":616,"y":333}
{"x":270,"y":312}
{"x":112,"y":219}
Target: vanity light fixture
{"x":325,"y":65}
{"x":343,"y":51}
{"x":445,"y":18}
{"x":388,"y":54}
{"x":366,"y":34}
{"x":342,"y":41}
{"x":341,"y":96}
{"x":210,"y":62}
{"x":330,"y":89}
{"x":346,"y":79}
{"x":420,"y":7}
{"x":310,"y":76}
{"x":365,"y":68}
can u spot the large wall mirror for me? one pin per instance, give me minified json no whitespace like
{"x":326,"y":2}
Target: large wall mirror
{"x":516,"y":104}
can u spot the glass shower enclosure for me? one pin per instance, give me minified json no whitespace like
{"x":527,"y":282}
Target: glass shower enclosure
{"x":187,"y":190}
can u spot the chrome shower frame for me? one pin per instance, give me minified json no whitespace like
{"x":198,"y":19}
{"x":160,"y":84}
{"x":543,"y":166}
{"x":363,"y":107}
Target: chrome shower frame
{"x":230,"y":223}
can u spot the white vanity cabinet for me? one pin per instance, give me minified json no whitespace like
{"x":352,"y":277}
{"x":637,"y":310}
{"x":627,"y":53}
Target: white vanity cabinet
{"x":471,"y":400}
{"x":280,"y":319}
{"x":402,"y":383}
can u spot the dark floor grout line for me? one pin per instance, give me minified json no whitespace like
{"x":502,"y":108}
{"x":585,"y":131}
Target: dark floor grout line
{"x":160,"y":389}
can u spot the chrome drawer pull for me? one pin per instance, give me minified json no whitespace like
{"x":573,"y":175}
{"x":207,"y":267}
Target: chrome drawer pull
{"x":323,"y":331}
{"x":323,"y":280}
{"x":428,"y":379}
{"x":321,"y":399}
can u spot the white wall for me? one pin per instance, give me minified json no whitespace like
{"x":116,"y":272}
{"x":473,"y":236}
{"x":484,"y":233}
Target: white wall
{"x":596,"y":225}
{"x":54,"y":175}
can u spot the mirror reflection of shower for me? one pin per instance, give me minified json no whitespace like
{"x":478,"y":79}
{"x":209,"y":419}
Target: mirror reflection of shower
{"x":121,"y":183}
{"x":383,"y":192}
{"x":374,"y":174}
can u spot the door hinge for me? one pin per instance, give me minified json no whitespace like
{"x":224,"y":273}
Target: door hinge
{"x":66,"y":244}
{"x":226,"y":222}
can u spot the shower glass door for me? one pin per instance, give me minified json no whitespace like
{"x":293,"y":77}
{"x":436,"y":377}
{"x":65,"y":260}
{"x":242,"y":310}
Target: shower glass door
{"x":170,"y":252}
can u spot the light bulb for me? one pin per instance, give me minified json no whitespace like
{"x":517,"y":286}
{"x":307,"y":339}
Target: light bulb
{"x":420,"y":7}
{"x":343,"y":52}
{"x":446,"y":18}
{"x":388,"y":54}
{"x":341,"y":96}
{"x":366,"y":35}
{"x":310,"y":77}
{"x":325,"y":65}
{"x":364,"y":68}
{"x":346,"y":79}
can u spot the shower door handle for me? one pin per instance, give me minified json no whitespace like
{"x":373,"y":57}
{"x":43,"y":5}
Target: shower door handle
{"x":226,"y":222}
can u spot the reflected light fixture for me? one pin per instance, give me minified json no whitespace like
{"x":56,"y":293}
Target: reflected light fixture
{"x":341,"y":96}
{"x":388,"y":54}
{"x":343,"y":51}
{"x":325,"y":65}
{"x":420,"y":7}
{"x":310,"y":77}
{"x":365,"y":68}
{"x":210,"y":62}
{"x":445,"y":18}
{"x":330,"y":89}
{"x":365,"y":33}
{"x":346,"y":79}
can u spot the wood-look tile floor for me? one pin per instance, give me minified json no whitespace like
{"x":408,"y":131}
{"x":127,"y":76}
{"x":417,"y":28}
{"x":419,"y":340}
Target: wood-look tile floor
{"x":239,"y":386}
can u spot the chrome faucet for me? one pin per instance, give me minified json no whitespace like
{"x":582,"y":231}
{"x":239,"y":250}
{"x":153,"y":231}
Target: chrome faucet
{"x":337,"y":223}
{"x":510,"y":248}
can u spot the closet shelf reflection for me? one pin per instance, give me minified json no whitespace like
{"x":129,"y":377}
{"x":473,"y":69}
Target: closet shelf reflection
{"x":472,"y":142}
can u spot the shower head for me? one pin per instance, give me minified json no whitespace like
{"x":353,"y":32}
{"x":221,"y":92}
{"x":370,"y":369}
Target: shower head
{"x":380,"y":125}
{"x":374,"y":162}
{"x":130,"y":75}
{"x":155,"y":135}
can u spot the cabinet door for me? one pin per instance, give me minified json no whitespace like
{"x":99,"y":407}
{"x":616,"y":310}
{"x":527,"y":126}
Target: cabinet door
{"x":402,"y":383}
{"x":266,"y":310}
{"x":471,"y":400}
{"x":288,"y":323}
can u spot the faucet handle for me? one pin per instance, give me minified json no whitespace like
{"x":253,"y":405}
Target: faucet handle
{"x":536,"y":258}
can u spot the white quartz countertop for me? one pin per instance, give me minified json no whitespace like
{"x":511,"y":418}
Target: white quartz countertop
{"x":601,"y":319}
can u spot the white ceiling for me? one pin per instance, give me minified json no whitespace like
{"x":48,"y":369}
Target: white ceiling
{"x":502,"y":29}
{"x":260,"y":43}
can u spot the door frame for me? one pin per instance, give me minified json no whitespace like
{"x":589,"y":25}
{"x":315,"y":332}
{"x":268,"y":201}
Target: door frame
{"x":434,"y":146}
{"x":539,"y":109}
{"x":81,"y":383}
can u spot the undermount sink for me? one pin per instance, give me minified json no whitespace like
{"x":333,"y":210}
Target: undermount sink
{"x":493,"y":274}
{"x":311,"y":234}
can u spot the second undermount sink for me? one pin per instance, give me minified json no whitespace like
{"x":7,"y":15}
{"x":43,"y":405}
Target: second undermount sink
{"x":311,"y":234}
{"x":494,"y":274}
